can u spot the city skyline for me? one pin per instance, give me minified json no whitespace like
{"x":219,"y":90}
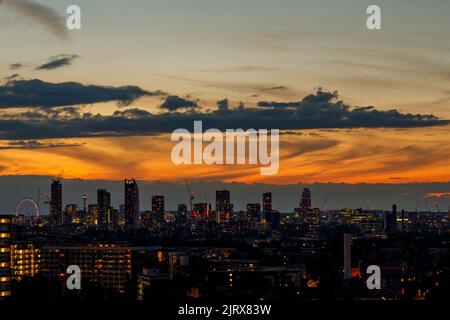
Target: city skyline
{"x":301,"y":256}
{"x":421,"y":197}
{"x":224,"y":158}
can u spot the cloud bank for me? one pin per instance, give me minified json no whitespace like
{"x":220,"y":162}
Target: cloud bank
{"x":37,"y":93}
{"x":320,"y":110}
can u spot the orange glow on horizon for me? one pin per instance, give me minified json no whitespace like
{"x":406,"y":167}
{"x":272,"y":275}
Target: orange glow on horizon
{"x":348,"y":156}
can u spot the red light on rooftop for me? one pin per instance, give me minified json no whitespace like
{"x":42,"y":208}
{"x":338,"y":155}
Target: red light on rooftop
{"x":356,"y":273}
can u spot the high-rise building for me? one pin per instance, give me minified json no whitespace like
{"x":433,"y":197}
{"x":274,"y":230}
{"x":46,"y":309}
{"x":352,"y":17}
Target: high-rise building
{"x":182,"y":217}
{"x":71,"y":214}
{"x":305,"y":200}
{"x":131,"y":204}
{"x":91,"y":218}
{"x":267,"y":201}
{"x":201,"y":210}
{"x":26,"y":260}
{"x":223,"y":206}
{"x":114,"y":217}
{"x":84,"y":203}
{"x":253,"y":212}
{"x":103,"y":207}
{"x":56,"y":202}
{"x":273,"y":218}
{"x":5,"y":256}
{"x":158,"y":207}
{"x":108,"y":265}
{"x":390,"y":221}
{"x":122,"y":221}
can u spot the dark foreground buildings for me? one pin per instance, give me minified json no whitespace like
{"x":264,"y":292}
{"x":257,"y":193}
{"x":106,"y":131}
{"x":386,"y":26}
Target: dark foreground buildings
{"x":5,"y":258}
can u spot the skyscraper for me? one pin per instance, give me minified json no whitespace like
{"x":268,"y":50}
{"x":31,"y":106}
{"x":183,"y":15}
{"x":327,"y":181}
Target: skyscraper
{"x":201,"y":210}
{"x":182,"y":216}
{"x":305,"y":200}
{"x":56,"y":202}
{"x":267,"y":201}
{"x":158,"y":207}
{"x":91,"y":218}
{"x":71,"y":214}
{"x":182,"y":210}
{"x":131,"y":204}
{"x":5,"y":256}
{"x":103,"y":207}
{"x":390,"y":221}
{"x":253,"y":212}
{"x":223,"y":206}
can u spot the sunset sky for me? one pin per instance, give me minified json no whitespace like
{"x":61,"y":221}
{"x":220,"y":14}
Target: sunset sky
{"x":353,"y":105}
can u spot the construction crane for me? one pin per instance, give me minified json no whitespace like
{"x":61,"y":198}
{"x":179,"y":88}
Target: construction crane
{"x":437,"y":207}
{"x":324,"y":203}
{"x":47,"y":201}
{"x":191,"y":195}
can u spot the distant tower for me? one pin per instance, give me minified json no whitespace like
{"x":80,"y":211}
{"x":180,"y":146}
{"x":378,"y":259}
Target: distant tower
{"x":56,"y":202}
{"x":201,"y":210}
{"x":158,"y":207}
{"x":182,"y":212}
{"x":305,"y":200}
{"x":223,"y":206}
{"x":103,"y":207}
{"x":390,"y":221}
{"x":131,"y":204}
{"x":347,"y":256}
{"x":84,"y":203}
{"x":267,"y":201}
{"x":253,"y":212}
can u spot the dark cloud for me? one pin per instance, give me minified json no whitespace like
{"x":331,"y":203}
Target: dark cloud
{"x":58,"y":61}
{"x":132,"y":113}
{"x":320,"y":110}
{"x":275,"y":88}
{"x":34,"y":144}
{"x":37,"y":93}
{"x":175,"y":103}
{"x":223,"y":105}
{"x":15,"y":66}
{"x":45,"y":114}
{"x":42,"y":14}
{"x":321,"y":99}
{"x":12,"y":77}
